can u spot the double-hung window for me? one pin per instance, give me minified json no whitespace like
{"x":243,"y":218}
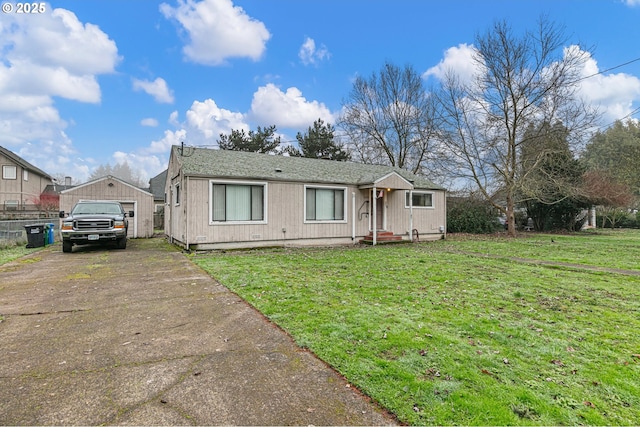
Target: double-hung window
{"x":421,"y":199}
{"x":324,"y":204}
{"x":237,"y":202}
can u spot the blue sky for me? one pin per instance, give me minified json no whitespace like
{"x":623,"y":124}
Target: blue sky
{"x":91,"y":82}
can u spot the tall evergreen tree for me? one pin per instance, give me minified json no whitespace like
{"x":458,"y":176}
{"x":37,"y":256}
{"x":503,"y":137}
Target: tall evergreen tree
{"x":550,"y":178}
{"x":616,"y":152}
{"x":260,"y":141}
{"x":319,"y":142}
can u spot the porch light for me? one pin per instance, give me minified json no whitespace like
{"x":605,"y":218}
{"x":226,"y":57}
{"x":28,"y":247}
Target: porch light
{"x":388,"y":190}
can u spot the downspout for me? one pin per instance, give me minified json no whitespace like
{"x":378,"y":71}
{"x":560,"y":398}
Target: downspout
{"x":374,"y":219}
{"x":185,"y":192}
{"x":353,"y":217}
{"x":411,"y":215}
{"x":169,"y":209}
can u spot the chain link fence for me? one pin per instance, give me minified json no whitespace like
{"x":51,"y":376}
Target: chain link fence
{"x":12,"y":232}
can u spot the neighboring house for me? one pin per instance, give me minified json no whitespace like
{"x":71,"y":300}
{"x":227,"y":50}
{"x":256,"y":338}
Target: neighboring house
{"x":131,"y":197}
{"x":218,"y":199}
{"x":156,"y":187}
{"x":21,"y":183}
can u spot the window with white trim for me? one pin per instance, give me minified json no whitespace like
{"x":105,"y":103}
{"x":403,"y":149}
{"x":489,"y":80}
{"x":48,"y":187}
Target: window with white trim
{"x":9,"y":172}
{"x":177,"y":194}
{"x":324,"y":204}
{"x":421,"y":199}
{"x":237,"y":202}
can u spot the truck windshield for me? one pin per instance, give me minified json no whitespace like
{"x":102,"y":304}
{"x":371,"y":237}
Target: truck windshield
{"x":96,"y":208}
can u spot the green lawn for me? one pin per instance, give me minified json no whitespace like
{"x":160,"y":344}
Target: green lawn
{"x":441,"y":333}
{"x":9,"y":252}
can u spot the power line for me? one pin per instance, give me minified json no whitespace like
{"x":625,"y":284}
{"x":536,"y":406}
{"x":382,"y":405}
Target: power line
{"x":609,"y":69}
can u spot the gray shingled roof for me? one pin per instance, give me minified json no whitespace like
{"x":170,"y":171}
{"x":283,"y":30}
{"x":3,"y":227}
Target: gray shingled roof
{"x":238,"y":164}
{"x":156,"y":185}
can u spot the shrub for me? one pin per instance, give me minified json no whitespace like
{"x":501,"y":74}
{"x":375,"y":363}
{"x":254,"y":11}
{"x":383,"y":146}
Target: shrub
{"x":471,"y":215}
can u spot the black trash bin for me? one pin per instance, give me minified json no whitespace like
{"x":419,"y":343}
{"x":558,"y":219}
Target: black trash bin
{"x":35,"y":235}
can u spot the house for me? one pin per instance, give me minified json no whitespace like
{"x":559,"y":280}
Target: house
{"x":156,"y":187}
{"x":218,"y":199}
{"x":131,"y":197}
{"x":21,"y":183}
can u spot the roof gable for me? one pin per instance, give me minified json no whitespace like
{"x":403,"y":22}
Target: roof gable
{"x":104,"y":178}
{"x":216,"y":163}
{"x":393,"y":180}
{"x":23,"y":163}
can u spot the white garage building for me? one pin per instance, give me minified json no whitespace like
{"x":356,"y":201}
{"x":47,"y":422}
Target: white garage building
{"x":131,"y":197}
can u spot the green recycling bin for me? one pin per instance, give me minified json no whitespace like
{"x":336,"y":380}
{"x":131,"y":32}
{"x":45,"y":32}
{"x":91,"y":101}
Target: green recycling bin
{"x":50,"y":234}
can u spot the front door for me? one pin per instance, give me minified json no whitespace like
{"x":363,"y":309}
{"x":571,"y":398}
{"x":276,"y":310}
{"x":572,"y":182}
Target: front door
{"x":378,"y":199}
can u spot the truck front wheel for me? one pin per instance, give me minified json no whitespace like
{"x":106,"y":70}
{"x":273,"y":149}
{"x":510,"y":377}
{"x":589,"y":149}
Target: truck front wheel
{"x":67,"y":246}
{"x":122,"y":243}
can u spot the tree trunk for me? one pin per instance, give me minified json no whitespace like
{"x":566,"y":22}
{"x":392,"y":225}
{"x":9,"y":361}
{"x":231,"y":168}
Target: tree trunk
{"x":511,"y":217}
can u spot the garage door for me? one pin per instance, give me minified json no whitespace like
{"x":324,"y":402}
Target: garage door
{"x":130,"y":206}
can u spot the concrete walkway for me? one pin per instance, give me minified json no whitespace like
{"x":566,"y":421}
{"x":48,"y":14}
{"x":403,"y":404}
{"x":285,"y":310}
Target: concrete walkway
{"x":144,"y":337}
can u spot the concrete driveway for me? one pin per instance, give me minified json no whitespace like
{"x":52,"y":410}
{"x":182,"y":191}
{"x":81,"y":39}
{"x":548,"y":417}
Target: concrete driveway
{"x":144,"y":337}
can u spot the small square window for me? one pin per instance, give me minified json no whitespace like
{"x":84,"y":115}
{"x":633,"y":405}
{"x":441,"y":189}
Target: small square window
{"x":9,"y":172}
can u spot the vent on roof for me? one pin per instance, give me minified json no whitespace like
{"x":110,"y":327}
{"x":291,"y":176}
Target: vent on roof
{"x":278,"y":170}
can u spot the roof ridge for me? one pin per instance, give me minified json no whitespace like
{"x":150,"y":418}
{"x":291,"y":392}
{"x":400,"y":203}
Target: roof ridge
{"x":201,"y":161}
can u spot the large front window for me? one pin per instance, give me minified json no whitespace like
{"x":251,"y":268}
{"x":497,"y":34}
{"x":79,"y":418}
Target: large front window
{"x":237,"y":202}
{"x":420,"y":199}
{"x":324,"y":204}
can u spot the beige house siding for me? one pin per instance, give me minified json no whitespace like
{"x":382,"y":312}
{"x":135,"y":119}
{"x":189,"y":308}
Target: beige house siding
{"x":110,"y":188}
{"x":26,"y":192}
{"x":285,"y":216}
{"x":425,"y":220}
{"x":393,"y":181}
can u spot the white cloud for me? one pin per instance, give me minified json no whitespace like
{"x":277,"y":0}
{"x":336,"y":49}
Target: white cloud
{"x":164,"y":144}
{"x":286,"y":109}
{"x":210,"y":120}
{"x":203,"y":124}
{"x":144,"y":166}
{"x":43,"y":56}
{"x":457,"y":59}
{"x":309,"y":55}
{"x":205,"y":121}
{"x":157,"y":88}
{"x":218,"y":30}
{"x":613,"y":94}
{"x":173,"y":119}
{"x":632,"y":3}
{"x":149,"y":122}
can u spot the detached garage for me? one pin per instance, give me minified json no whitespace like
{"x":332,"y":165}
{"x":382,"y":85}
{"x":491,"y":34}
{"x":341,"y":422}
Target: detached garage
{"x":131,"y":197}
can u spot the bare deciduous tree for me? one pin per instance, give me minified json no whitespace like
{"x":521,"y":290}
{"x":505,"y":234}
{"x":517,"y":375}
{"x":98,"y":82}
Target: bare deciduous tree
{"x":121,"y":171}
{"x":389,"y":118}
{"x":522,"y":81}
